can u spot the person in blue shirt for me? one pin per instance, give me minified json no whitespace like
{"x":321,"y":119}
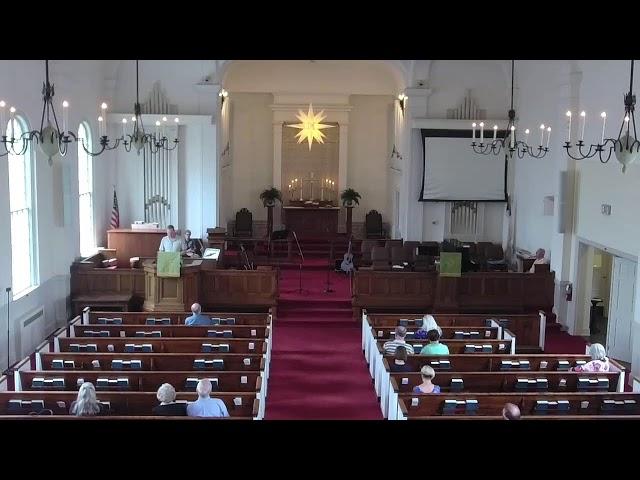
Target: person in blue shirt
{"x":206,"y":406}
{"x":428,"y":373}
{"x":197,"y":318}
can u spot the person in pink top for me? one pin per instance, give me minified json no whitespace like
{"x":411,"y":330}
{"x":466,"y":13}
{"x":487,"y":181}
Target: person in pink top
{"x":599,"y":361}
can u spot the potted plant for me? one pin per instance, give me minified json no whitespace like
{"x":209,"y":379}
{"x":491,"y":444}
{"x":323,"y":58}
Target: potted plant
{"x":350,"y":197}
{"x":269,"y":196}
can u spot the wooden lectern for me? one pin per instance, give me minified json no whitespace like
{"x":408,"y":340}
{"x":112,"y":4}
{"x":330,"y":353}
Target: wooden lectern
{"x":166,"y":294}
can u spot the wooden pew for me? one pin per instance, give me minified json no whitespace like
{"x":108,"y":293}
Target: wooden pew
{"x":429,"y":405}
{"x":528,"y":328}
{"x":164,"y":345}
{"x":177,"y":318}
{"x":152,"y":361}
{"x":467,"y":333}
{"x":131,"y":331}
{"x":140,"y":381}
{"x":132,"y":403}
{"x":471,"y":292}
{"x":478,"y":362}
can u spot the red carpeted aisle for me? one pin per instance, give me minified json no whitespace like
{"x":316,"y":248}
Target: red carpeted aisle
{"x":318,"y":370}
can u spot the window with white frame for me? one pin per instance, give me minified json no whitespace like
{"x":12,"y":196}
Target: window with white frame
{"x":24,"y":266}
{"x":85,"y":192}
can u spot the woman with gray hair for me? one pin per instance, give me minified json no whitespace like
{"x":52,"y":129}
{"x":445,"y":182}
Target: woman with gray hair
{"x":428,"y":324}
{"x":599,"y":361}
{"x":168,"y":406}
{"x":86,"y":404}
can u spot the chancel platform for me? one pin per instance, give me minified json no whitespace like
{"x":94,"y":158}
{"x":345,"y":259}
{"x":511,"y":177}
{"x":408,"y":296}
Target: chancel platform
{"x":310,"y":222}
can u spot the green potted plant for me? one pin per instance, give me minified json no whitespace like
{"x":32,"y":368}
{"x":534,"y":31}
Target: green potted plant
{"x":350,"y":197}
{"x":269,"y":196}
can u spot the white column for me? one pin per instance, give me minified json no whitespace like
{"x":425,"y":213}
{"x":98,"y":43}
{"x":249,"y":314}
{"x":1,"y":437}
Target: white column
{"x":342,"y":157}
{"x":277,"y":171}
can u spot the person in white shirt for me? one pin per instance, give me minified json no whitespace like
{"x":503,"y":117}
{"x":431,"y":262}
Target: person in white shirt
{"x":171,"y":242}
{"x":206,"y":406}
{"x":540,"y":253}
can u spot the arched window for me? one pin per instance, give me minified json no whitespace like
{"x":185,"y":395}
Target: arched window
{"x":24,"y":266}
{"x":85,"y":191}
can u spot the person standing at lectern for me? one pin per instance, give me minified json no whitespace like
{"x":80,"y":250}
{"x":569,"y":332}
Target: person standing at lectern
{"x":171,"y":242}
{"x":192,"y":245}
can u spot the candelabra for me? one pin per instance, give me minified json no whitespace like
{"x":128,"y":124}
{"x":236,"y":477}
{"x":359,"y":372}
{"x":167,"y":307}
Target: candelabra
{"x":626,"y":147}
{"x":509,"y":142}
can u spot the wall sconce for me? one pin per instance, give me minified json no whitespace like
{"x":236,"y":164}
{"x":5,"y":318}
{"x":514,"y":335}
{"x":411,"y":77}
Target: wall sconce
{"x":402,"y":101}
{"x":223,"y":94}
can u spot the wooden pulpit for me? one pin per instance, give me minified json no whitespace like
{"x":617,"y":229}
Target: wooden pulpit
{"x":166,"y":294}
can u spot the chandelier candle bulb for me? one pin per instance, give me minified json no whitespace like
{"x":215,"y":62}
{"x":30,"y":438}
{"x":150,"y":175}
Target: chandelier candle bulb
{"x":569,"y":127}
{"x":124,"y":127}
{"x":65,"y":116}
{"x":495,"y":131}
{"x":513,"y":136}
{"x":12,"y":114}
{"x":548,"y":136}
{"x":526,"y":136}
{"x":604,"y":122}
{"x":481,"y":132}
{"x":100,"y":126}
{"x":2,"y":107}
{"x":541,"y":135}
{"x":583,"y":118}
{"x":473,"y":131}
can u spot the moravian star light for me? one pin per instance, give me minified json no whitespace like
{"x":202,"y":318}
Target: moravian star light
{"x":310,"y":128}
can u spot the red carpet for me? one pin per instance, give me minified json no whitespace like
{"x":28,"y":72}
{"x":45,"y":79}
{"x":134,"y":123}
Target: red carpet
{"x":318,"y":371}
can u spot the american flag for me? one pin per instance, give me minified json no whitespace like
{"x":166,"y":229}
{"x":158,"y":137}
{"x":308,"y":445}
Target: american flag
{"x":115,"y":213}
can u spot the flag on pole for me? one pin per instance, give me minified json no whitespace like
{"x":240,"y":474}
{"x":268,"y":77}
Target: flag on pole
{"x":115,"y":213}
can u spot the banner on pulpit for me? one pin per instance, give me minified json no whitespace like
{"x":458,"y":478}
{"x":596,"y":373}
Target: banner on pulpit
{"x":168,"y":264}
{"x":450,"y":264}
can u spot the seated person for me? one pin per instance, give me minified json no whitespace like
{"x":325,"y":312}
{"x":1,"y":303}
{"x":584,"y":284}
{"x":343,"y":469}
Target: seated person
{"x":206,"y":406}
{"x":171,"y":242}
{"x":510,"y":412}
{"x":197,"y":318}
{"x":428,"y":323}
{"x":599,"y":361}
{"x":540,"y":253}
{"x":399,"y":363}
{"x":193,"y":246}
{"x":390,"y":346}
{"x":428,"y":373}
{"x":86,"y":404}
{"x":168,"y":406}
{"x":434,"y":347}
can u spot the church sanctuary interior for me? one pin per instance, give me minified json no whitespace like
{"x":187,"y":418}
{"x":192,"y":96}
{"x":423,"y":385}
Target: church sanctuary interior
{"x":319,"y":240}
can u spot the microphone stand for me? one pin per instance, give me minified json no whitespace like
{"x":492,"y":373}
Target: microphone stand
{"x":328,"y":289}
{"x":301,"y":262}
{"x":9,"y":370}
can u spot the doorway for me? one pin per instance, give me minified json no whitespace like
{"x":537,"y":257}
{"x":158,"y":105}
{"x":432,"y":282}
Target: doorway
{"x":606,"y":298}
{"x":600,"y":296}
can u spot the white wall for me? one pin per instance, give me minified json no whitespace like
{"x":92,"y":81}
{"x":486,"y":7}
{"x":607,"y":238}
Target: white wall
{"x":56,"y":202}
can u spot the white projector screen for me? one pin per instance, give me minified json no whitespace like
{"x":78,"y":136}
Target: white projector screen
{"x":453,"y":171}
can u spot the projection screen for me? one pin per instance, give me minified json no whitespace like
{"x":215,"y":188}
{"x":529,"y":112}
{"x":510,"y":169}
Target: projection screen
{"x":454,"y":172}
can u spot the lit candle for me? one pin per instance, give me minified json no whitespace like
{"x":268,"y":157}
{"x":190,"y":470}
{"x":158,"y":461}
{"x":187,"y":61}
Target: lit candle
{"x":2,"y":124}
{"x":569,"y":128}
{"x":513,"y":135}
{"x":541,"y":135}
{"x":65,"y":116}
{"x":548,"y":136}
{"x":604,"y":122}
{"x":100,"y":126}
{"x":481,"y":132}
{"x":473,"y":126}
{"x":103,"y":107}
{"x":583,"y":118}
{"x":526,"y":136}
{"x":495,"y":132}
{"x":124,"y":127}
{"x":12,"y":114}
{"x":157,"y":130}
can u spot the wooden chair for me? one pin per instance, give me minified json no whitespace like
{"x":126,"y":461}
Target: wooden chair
{"x":373,"y":225}
{"x":244,"y":224}
{"x":380,"y":258}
